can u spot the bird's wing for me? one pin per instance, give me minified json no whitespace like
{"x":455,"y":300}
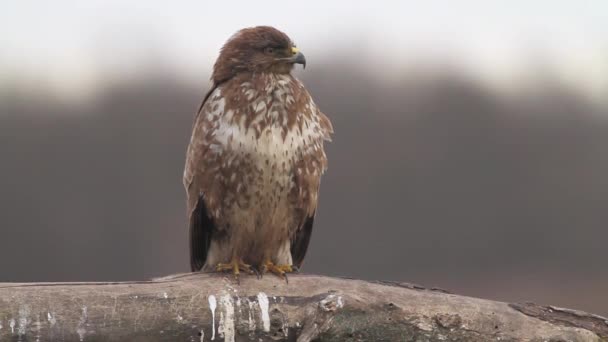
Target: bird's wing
{"x":201,"y":229}
{"x":307,"y":180}
{"x":307,"y":176}
{"x":299,"y":244}
{"x":198,"y":181}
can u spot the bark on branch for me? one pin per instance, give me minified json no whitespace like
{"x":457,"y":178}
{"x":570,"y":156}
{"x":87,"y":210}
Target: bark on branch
{"x":205,"y":307}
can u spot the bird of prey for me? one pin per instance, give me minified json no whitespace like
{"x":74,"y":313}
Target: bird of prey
{"x":255,"y":159}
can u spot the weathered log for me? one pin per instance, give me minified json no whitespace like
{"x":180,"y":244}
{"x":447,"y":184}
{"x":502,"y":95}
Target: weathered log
{"x":205,"y":307}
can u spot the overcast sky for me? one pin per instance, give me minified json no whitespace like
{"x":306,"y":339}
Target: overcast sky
{"x":71,"y":43}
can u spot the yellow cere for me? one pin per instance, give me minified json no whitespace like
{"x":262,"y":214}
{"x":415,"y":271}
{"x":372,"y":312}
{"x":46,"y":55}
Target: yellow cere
{"x":294,"y":50}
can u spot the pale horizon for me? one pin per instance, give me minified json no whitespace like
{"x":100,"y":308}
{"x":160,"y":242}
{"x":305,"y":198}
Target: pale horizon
{"x":71,"y":47}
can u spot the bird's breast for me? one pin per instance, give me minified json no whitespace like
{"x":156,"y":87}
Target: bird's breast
{"x":262,"y":140}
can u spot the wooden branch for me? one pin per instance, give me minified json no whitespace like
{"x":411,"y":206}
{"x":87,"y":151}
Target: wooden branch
{"x":205,"y":307}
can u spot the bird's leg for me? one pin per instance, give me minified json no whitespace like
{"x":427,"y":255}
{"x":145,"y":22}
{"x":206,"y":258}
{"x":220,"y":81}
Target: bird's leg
{"x":280,"y":270}
{"x":235,"y":266}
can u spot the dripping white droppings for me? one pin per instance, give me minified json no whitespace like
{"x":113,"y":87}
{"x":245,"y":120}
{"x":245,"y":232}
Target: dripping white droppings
{"x":51,"y":319}
{"x":263,"y":302}
{"x":228,"y":326}
{"x":212,"y":306}
{"x":38,"y":327}
{"x":220,"y":325}
{"x":23,"y":314}
{"x":81,"y":330}
{"x":251,"y":321}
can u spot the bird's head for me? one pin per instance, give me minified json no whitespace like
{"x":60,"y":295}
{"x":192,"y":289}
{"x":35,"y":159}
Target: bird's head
{"x":257,"y":49}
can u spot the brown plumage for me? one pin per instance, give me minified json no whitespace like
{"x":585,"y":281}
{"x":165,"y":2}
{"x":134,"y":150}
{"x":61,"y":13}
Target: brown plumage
{"x":255,"y":159}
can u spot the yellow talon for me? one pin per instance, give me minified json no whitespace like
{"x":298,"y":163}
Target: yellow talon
{"x":280,"y":270}
{"x":235,"y":266}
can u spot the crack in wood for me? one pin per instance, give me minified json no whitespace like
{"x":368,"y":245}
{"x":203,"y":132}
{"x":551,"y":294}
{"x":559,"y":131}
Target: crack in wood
{"x":565,"y":317}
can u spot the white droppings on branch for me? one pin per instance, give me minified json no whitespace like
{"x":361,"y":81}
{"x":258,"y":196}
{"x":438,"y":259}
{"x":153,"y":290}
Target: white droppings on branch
{"x":263,"y":302}
{"x":38,"y":327}
{"x":212,"y":306}
{"x":332,"y":303}
{"x":81,"y":330}
{"x":51,"y":318}
{"x":285,"y":327}
{"x":220,"y":325}
{"x":24,"y":312}
{"x":11,"y":324}
{"x":228,"y":326}
{"x":251,"y":321}
{"x":238,"y":305}
{"x":165,"y":295}
{"x":239,"y":308}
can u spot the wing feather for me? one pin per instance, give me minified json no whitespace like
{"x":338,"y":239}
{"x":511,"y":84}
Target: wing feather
{"x":307,"y":176}
{"x":196,"y":178}
{"x":299,"y":245}
{"x":201,"y":230}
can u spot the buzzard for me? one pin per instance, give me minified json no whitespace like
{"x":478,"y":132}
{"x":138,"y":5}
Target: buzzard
{"x":255,"y":159}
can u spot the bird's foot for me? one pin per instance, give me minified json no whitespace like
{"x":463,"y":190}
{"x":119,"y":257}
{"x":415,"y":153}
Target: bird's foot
{"x":280,"y":270}
{"x":235,"y":266}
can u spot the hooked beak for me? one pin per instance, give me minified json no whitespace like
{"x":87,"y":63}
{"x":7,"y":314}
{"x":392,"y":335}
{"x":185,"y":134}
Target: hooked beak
{"x":298,"y":57}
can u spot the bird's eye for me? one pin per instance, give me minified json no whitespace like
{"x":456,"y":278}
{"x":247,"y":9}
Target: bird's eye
{"x":269,"y":50}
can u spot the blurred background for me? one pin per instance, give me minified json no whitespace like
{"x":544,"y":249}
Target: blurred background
{"x":469,"y":153}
